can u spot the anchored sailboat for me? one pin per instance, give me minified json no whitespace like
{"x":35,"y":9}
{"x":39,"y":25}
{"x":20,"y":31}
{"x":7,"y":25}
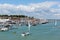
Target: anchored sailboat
{"x":27,"y":33}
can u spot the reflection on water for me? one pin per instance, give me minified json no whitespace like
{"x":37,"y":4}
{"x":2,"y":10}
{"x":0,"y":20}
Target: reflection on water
{"x":39,"y":32}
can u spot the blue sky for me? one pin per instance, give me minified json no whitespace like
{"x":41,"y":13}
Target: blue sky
{"x":17,"y":2}
{"x":49,"y":9}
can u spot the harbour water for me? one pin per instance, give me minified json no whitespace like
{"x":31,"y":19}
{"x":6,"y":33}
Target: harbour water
{"x":40,"y":32}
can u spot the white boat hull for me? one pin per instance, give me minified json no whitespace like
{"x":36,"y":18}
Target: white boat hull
{"x":4,"y":29}
{"x":25,"y":34}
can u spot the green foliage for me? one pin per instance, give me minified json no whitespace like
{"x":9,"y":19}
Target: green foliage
{"x":12,"y":16}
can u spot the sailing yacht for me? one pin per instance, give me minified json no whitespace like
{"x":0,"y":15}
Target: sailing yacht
{"x":27,"y":33}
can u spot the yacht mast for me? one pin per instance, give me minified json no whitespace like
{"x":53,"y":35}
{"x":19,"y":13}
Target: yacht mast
{"x":29,"y":26}
{"x":55,"y":22}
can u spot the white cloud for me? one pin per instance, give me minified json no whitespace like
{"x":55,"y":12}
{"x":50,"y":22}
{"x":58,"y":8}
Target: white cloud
{"x":58,"y":5}
{"x":57,"y":14}
{"x":55,"y":10}
{"x":44,"y":4}
{"x":43,"y":9}
{"x":32,"y":7}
